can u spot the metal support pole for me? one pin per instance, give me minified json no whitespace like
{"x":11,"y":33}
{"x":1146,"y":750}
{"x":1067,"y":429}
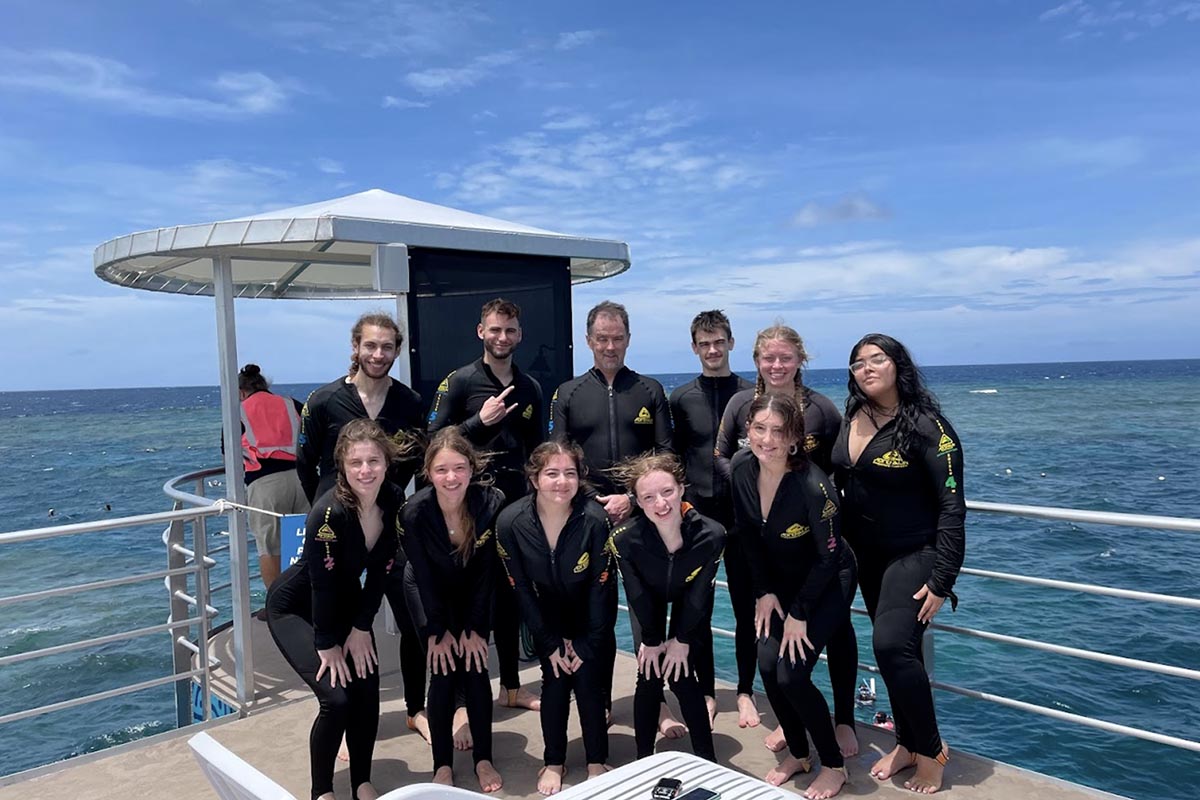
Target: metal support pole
{"x":404,"y":357}
{"x":235,"y":487}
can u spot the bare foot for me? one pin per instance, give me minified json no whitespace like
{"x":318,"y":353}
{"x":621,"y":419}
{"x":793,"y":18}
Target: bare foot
{"x":668,"y":726}
{"x":829,"y":781}
{"x":847,"y":740}
{"x":596,"y":770}
{"x":775,"y":740}
{"x":462,"y":730}
{"x":366,"y":791}
{"x":444,"y":776}
{"x":519,"y":698}
{"x":420,"y":723}
{"x":711,"y":703}
{"x":928,"y":777}
{"x":782,"y":772}
{"x":896,"y":761}
{"x":489,"y":779}
{"x":344,"y":751}
{"x":550,"y":778}
{"x":747,"y":712}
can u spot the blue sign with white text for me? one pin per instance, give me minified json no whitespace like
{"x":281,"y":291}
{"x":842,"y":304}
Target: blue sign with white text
{"x":291,"y":539}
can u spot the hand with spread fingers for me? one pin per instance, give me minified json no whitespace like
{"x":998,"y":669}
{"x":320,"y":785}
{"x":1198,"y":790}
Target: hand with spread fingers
{"x":361,"y":650}
{"x":441,"y":654}
{"x":795,"y":639}
{"x":931,"y":606}
{"x":494,"y":409}
{"x":333,"y":661}
{"x":767,"y":605}
{"x":648,"y":660}
{"x":675,"y":661}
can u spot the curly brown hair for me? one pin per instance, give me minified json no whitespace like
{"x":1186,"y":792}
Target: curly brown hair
{"x":358,"y":431}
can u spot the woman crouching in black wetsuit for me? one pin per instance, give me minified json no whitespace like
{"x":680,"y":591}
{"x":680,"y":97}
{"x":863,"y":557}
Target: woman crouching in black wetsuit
{"x":552,"y":544}
{"x":447,"y":534}
{"x":320,"y":616}
{"x":900,"y":468}
{"x":786,"y":518}
{"x":667,"y":557}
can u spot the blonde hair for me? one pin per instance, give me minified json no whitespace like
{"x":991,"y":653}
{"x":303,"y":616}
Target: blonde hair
{"x":786,"y":334}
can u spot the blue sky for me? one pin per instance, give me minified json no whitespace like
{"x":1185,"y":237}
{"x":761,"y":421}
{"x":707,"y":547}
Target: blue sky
{"x":989,"y":182}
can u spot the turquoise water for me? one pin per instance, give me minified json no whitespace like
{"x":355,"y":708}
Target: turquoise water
{"x":1116,"y":436}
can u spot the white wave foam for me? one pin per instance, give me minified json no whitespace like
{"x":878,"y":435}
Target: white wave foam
{"x":985,"y":391}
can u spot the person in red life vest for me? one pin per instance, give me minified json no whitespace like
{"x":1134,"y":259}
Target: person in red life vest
{"x":270,"y":427}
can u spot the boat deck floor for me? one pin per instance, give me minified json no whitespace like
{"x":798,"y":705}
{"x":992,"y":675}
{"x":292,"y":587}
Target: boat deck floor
{"x":274,"y":738}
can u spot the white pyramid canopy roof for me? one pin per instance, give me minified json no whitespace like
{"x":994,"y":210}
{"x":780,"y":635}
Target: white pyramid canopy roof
{"x":323,"y":250}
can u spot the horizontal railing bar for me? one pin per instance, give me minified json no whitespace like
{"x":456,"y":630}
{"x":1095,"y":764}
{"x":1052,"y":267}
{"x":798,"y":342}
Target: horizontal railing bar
{"x":83,"y":644}
{"x":219,"y":587}
{"x":1080,"y":515}
{"x":35,"y":534}
{"x":92,"y":698}
{"x":187,"y":644}
{"x":1099,"y":724}
{"x":1090,"y":655}
{"x":1087,"y":588}
{"x":87,"y":587}
{"x":175,"y":493}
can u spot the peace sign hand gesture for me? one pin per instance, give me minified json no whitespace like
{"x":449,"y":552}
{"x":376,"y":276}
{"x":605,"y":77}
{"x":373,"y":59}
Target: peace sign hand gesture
{"x":494,"y":409}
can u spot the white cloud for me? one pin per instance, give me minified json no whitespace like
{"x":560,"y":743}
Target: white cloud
{"x":1129,"y":18}
{"x":94,"y":79}
{"x":448,"y":80}
{"x":400,"y":102}
{"x":573,"y":39}
{"x":850,"y":208}
{"x":566,"y":119}
{"x":329,"y":166}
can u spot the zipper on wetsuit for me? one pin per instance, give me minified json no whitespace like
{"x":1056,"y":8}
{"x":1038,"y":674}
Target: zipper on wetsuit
{"x":670,"y":569}
{"x":612,"y":426}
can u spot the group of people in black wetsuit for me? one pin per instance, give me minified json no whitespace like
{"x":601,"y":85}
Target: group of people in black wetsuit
{"x":520,"y":524}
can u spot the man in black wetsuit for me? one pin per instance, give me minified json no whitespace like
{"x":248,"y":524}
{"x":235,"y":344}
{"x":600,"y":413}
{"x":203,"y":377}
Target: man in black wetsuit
{"x":696,"y":409}
{"x":368,"y":391}
{"x":612,"y":413}
{"x":499,"y":409}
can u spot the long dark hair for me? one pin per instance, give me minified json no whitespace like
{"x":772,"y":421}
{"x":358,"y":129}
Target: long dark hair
{"x":789,"y":411}
{"x":354,"y":432}
{"x":915,"y":398}
{"x":452,"y":439}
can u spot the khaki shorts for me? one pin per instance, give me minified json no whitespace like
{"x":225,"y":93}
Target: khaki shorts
{"x":280,"y":492}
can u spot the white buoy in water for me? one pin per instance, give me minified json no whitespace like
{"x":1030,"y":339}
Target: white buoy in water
{"x":1162,"y":477}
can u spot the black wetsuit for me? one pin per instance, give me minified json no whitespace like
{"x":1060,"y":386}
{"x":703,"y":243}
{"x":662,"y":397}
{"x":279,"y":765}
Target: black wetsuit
{"x":447,"y":596}
{"x":327,"y":411}
{"x":314,"y":605}
{"x":696,"y":409}
{"x":797,"y":554}
{"x":611,"y":423}
{"x":654,"y":578}
{"x":905,"y":517}
{"x":821,"y":423}
{"x":458,"y":401}
{"x":564,"y":593}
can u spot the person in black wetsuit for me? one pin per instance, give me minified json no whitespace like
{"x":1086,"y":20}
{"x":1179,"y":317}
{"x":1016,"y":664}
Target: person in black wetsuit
{"x":900,"y":469}
{"x":499,"y":409}
{"x":668,"y":556}
{"x":321,"y":617}
{"x":779,"y":356}
{"x":553,"y":548}
{"x":696,"y":409}
{"x":804,"y":577}
{"x":613,"y":413}
{"x":368,"y":392}
{"x":447,"y":531}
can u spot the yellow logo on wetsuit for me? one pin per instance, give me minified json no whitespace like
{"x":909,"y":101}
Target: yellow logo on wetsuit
{"x":528,"y":412}
{"x":500,"y":551}
{"x":582,"y":563}
{"x":946,"y":445}
{"x":891,"y":459}
{"x":486,"y":535}
{"x":444,"y":386}
{"x":829,"y":511}
{"x":692,"y":577}
{"x":810,"y":443}
{"x":326,"y":534}
{"x":794,"y":531}
{"x":643,"y":417}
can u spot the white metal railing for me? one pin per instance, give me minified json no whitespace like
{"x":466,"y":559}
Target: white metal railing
{"x":1182,"y":524}
{"x":182,"y":564}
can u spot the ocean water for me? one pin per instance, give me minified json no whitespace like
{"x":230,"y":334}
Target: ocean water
{"x":1114,"y":436}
